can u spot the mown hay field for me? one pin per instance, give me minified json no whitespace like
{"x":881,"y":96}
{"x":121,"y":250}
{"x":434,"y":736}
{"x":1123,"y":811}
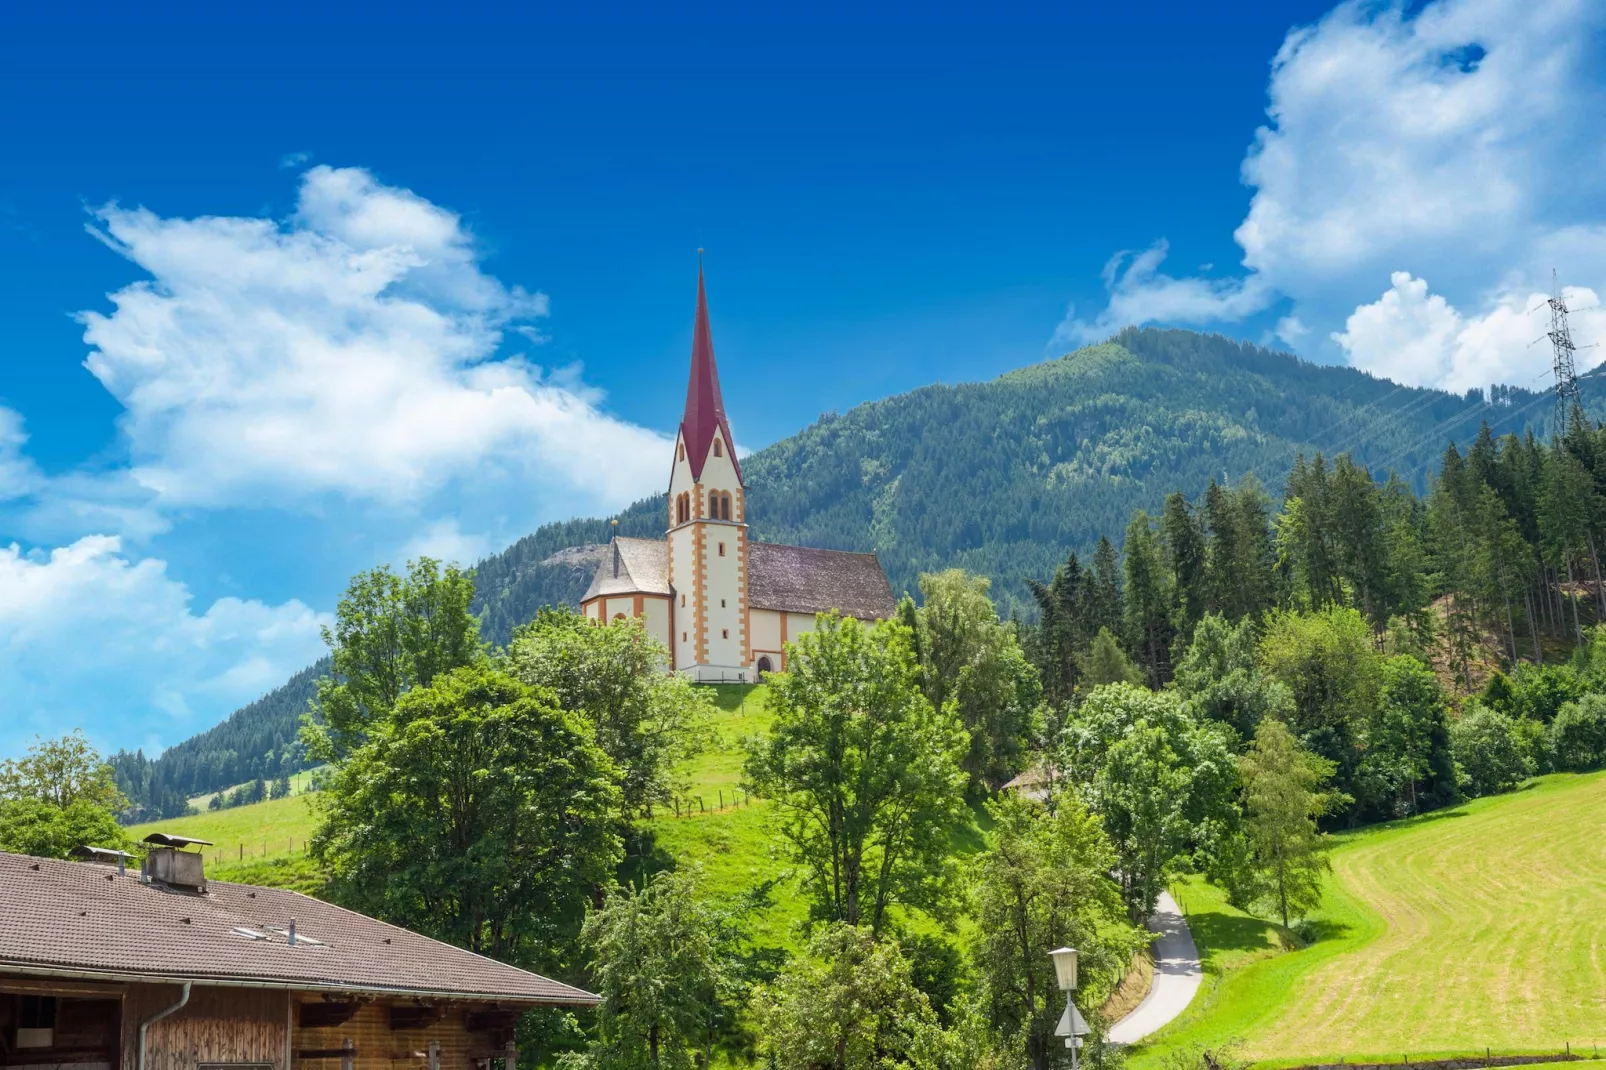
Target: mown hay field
{"x":1481,"y":927}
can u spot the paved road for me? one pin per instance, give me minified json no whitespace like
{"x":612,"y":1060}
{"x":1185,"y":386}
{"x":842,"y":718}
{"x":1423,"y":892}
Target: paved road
{"x":1176,"y":976}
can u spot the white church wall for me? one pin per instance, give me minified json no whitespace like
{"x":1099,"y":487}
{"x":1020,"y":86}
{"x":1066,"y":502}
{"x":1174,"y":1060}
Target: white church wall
{"x":766,"y":632}
{"x":655,"y":613}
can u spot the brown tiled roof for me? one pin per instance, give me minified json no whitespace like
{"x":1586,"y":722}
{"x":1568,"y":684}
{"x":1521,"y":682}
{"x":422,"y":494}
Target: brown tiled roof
{"x":800,"y":579}
{"x":76,"y":916}
{"x":632,"y":566}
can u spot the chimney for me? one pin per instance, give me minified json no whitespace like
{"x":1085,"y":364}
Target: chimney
{"x":168,"y":864}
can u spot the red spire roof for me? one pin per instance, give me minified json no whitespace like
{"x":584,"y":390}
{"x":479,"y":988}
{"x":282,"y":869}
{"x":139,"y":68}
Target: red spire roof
{"x":705,"y":409}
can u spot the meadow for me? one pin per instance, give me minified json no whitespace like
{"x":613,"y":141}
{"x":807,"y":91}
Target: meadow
{"x":1468,"y":929}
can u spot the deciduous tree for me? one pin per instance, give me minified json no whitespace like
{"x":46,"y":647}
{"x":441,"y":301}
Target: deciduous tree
{"x":849,"y":1003}
{"x":478,"y":812}
{"x":392,"y":633}
{"x":59,"y":796}
{"x":658,"y":964}
{"x":1282,"y":785}
{"x":643,"y":718}
{"x":971,"y":660}
{"x":864,"y":772}
{"x":1043,"y":883}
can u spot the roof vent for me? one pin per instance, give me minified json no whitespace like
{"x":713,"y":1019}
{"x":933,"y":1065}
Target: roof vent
{"x":103,"y":856}
{"x":167,"y":863}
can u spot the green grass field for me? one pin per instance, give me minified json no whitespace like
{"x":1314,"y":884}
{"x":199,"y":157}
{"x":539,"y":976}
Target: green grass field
{"x":1475,"y":927}
{"x":278,"y":828}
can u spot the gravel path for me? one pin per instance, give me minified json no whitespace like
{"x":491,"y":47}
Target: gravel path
{"x":1176,"y":976}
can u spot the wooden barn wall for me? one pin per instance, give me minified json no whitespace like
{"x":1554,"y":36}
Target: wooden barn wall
{"x":86,"y":1024}
{"x":381,"y":1048}
{"x":219,"y":1025}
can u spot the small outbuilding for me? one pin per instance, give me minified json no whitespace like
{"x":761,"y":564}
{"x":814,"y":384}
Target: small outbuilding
{"x":105,"y":968}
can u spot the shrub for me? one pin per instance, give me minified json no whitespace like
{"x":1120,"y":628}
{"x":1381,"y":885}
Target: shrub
{"x":1578,"y":734}
{"x":1489,"y":752}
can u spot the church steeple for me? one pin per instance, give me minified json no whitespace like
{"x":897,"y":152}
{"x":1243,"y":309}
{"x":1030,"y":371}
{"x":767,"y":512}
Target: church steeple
{"x":705,"y":409}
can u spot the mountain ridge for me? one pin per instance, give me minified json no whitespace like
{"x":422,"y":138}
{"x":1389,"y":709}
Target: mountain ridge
{"x":1002,"y":477}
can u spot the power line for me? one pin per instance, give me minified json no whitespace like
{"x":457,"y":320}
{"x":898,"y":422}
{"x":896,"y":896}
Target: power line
{"x":1414,"y":469}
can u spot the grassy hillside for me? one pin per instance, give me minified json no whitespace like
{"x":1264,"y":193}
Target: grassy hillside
{"x":1470,"y":928}
{"x":273,"y":829}
{"x":726,"y":836}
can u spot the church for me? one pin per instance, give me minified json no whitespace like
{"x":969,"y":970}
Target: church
{"x":724,"y":606}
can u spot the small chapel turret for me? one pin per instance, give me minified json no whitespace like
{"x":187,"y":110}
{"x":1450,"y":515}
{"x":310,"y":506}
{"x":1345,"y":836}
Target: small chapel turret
{"x":707,"y":531}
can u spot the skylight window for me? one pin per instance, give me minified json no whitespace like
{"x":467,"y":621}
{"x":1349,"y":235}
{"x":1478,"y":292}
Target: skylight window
{"x":249,"y":933}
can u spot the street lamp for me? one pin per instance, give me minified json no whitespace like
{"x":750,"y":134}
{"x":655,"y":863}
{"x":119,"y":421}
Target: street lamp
{"x":1064,"y":967}
{"x":1072,"y":1026}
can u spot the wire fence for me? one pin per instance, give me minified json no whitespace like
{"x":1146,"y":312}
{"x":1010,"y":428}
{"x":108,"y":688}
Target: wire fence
{"x":1465,"y":1062}
{"x":266,"y":849}
{"x":696,"y":805}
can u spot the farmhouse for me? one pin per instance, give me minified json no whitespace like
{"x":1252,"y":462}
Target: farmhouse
{"x":725,"y":607}
{"x":104,"y":968}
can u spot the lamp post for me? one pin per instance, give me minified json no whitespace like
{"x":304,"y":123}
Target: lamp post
{"x":1072,"y":1026}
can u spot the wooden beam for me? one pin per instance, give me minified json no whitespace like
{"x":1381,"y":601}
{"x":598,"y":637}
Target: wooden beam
{"x":44,"y":986}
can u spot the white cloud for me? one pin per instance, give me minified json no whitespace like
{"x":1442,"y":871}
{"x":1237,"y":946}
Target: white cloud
{"x":1459,"y":143}
{"x":93,"y":638}
{"x":445,"y":540}
{"x":351,"y":350}
{"x":1139,"y":292}
{"x":18,"y":475}
{"x":1413,"y":335}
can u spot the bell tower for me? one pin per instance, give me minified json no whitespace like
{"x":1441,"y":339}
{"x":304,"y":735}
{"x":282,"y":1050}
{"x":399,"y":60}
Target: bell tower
{"x":707,"y":533}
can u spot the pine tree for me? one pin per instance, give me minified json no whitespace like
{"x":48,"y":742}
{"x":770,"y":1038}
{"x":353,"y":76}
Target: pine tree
{"x":1359,"y":545}
{"x":1148,"y":600}
{"x":1185,"y":553}
{"x":1104,"y":594}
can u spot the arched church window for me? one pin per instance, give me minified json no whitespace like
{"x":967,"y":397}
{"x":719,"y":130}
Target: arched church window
{"x":718,"y":450}
{"x":683,"y":451}
{"x":721,"y":549}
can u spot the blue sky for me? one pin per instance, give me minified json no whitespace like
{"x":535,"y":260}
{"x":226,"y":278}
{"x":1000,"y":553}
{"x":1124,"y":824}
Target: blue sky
{"x":286,"y":292}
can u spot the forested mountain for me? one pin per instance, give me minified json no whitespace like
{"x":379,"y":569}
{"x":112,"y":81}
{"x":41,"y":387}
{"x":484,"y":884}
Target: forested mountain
{"x":258,"y":740}
{"x":1003,"y":478}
